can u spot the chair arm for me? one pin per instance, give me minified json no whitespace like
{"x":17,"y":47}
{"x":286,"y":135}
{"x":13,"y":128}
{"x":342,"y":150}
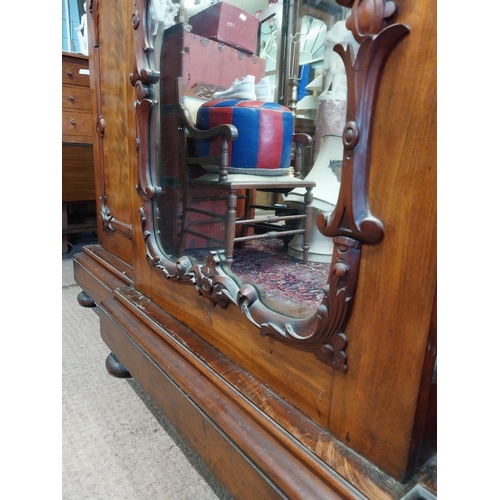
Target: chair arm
{"x":305,"y":140}
{"x":228,"y":131}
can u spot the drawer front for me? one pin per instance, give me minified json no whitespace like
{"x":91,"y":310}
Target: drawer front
{"x":76,"y":98}
{"x":71,"y":73}
{"x":77,"y":127}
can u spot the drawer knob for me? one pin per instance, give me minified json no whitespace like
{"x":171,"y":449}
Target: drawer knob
{"x":73,"y":122}
{"x":69,"y":72}
{"x":71,"y":97}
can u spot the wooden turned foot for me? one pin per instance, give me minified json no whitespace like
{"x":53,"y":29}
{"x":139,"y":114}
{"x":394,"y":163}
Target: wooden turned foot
{"x":85,"y":300}
{"x":115,"y":368}
{"x":65,"y":246}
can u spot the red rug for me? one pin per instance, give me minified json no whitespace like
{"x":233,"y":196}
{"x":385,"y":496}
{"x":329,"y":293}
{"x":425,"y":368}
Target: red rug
{"x":283,"y":278}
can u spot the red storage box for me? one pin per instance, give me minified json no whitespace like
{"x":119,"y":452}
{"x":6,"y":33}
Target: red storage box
{"x":227,"y":24}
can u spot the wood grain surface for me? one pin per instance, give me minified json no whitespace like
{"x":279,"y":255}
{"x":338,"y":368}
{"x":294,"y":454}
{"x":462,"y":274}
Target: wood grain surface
{"x":374,"y":406}
{"x":379,"y":409}
{"x":112,"y":95}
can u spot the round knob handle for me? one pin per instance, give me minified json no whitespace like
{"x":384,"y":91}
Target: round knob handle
{"x":69,"y":72}
{"x":71,"y":97}
{"x":73,"y":122}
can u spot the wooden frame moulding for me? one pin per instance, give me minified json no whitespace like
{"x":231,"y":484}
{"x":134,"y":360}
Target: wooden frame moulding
{"x":351,"y":225}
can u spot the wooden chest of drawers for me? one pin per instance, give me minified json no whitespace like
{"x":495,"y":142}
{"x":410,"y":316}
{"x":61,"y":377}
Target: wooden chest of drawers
{"x":78,"y":184}
{"x":76,"y":108}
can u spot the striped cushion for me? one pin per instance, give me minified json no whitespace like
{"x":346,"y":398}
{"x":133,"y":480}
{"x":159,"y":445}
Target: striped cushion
{"x":265,"y":132}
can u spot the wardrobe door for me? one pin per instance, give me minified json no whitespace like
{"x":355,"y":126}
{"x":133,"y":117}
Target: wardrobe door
{"x":111,"y":42}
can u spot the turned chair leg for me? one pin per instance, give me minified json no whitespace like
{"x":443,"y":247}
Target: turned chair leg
{"x":185,"y":223}
{"x":249,"y":213}
{"x":308,"y":199}
{"x":230,"y":225}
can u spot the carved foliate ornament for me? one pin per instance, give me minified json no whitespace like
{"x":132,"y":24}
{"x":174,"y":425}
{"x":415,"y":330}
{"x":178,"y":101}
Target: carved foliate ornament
{"x":350,"y":225}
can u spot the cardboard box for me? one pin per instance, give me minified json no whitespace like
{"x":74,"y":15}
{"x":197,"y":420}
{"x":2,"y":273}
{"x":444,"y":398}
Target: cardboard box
{"x":227,"y":24}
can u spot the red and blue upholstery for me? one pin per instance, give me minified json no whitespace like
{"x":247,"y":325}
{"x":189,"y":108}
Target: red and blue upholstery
{"x":265,"y":131}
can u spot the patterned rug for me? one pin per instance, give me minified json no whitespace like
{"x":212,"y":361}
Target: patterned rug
{"x":283,"y":278}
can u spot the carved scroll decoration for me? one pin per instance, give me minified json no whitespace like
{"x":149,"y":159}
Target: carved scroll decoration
{"x":350,"y":225}
{"x":352,"y":217}
{"x":368,"y":17}
{"x":143,"y":79}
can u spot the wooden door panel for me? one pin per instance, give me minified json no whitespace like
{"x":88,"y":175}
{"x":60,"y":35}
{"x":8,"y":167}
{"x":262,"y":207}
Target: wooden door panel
{"x":374,"y":406}
{"x":113,"y":95}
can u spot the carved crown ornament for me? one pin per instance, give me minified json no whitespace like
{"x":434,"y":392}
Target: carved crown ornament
{"x":351,"y":225}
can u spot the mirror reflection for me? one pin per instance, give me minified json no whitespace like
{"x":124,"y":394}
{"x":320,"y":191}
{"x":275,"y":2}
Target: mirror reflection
{"x":273,"y":83}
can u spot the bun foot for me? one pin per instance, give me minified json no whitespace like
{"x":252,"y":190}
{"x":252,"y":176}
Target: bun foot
{"x":85,"y":300}
{"x":115,"y":368}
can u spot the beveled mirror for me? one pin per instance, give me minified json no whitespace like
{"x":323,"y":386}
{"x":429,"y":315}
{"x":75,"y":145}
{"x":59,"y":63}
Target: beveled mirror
{"x":304,"y":305}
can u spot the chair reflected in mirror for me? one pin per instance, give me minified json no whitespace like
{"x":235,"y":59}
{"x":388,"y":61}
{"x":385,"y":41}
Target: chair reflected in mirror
{"x":233,"y":150}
